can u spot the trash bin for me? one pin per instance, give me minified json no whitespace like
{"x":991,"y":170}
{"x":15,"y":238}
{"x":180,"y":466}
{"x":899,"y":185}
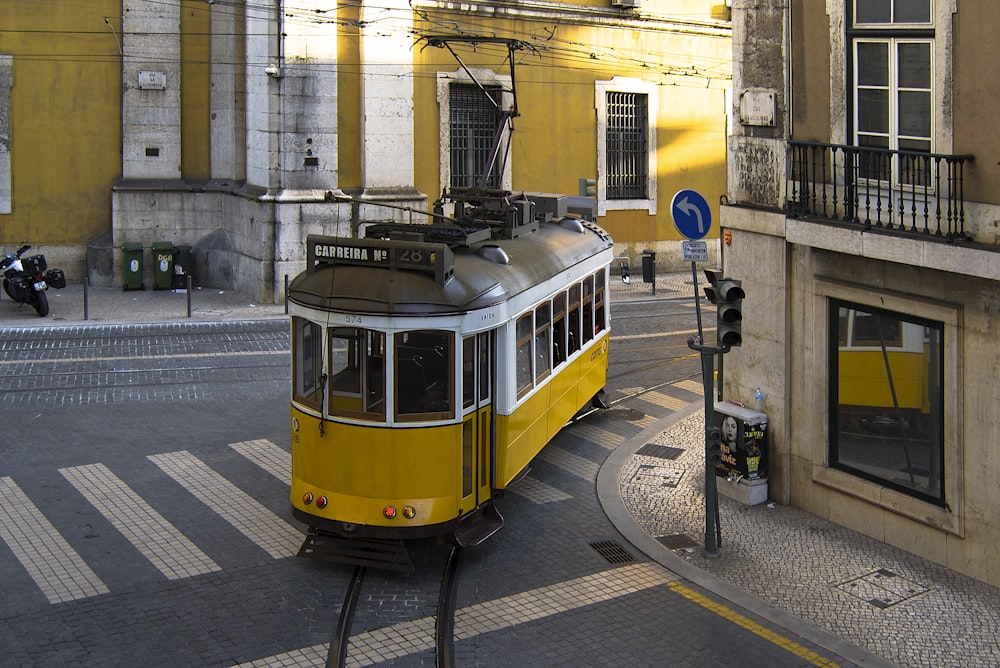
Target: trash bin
{"x":183,"y":267}
{"x":648,"y":266}
{"x":163,"y":265}
{"x":132,"y":266}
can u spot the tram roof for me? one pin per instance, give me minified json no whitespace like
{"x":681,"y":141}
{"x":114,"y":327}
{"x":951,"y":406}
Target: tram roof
{"x":477,"y":282}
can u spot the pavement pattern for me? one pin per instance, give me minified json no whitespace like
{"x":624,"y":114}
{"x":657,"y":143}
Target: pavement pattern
{"x":858,"y":597}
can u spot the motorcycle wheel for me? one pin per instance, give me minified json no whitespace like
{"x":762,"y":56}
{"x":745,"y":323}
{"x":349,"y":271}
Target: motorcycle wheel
{"x":41,"y":303}
{"x":8,"y":289}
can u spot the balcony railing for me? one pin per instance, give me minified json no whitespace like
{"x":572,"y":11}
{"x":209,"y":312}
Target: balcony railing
{"x":908,"y":191}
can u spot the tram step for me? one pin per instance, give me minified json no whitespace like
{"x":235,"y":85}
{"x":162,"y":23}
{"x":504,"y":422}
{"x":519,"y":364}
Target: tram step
{"x":479,"y":526}
{"x":384,"y":554}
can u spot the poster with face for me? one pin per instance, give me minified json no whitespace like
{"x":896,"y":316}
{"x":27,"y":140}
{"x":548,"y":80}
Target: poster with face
{"x":744,"y":444}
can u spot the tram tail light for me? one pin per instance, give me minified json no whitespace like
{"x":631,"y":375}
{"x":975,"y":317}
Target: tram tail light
{"x":389,"y":512}
{"x":321,"y":502}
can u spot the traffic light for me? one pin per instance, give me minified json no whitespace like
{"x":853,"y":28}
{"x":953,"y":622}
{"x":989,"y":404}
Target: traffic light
{"x":714,"y":446}
{"x":588,"y":188}
{"x":727,"y":294}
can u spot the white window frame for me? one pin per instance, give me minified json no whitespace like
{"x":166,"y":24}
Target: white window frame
{"x":487,"y":78}
{"x":625,"y":85}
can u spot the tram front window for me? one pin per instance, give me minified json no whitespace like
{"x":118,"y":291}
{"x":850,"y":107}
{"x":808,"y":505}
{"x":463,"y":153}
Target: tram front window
{"x":357,"y":379}
{"x":307,"y":363}
{"x":424,"y":375}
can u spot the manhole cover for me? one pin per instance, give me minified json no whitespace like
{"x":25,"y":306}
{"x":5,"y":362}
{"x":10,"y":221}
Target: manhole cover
{"x":624,"y":414}
{"x":882,"y":588}
{"x":677,"y":541}
{"x":661,"y":451}
{"x":657,"y":476}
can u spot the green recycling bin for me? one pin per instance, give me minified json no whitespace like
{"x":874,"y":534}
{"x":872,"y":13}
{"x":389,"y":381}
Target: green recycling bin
{"x":132,"y":266}
{"x":163,"y":265}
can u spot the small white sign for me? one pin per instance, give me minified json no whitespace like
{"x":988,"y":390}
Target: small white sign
{"x":757,"y":107}
{"x":152,"y":80}
{"x":694,"y":251}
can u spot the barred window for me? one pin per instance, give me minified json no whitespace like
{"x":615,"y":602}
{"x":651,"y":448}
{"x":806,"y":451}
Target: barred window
{"x":475,"y":118}
{"x":627,"y":147}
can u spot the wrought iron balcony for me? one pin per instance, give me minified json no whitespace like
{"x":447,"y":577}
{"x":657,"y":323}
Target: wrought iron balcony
{"x":911,"y":192}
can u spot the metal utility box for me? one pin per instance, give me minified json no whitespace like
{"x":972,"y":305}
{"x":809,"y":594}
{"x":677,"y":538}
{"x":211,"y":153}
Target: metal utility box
{"x":743,"y":470}
{"x":132,"y":266}
{"x":163,"y":265}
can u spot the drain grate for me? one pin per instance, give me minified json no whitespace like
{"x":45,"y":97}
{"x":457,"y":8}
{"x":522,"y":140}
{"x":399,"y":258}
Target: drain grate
{"x":660,"y":451}
{"x":612,"y":552}
{"x":677,"y":541}
{"x":882,"y":588}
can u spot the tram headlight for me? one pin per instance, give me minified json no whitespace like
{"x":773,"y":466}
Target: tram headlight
{"x":409,"y":512}
{"x":389,"y":512}
{"x":307,"y":498}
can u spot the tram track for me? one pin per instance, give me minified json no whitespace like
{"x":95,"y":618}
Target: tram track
{"x":444,"y":620}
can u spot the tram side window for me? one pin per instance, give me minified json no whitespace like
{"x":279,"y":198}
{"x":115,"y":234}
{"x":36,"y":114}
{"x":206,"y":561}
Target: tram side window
{"x":588,"y":308}
{"x":574,"y":319}
{"x":468,"y":372}
{"x":307,"y":357}
{"x":424,"y":375}
{"x":543,"y":332}
{"x":523,"y":357}
{"x":600,"y":317}
{"x":357,"y":373}
{"x":558,"y":329}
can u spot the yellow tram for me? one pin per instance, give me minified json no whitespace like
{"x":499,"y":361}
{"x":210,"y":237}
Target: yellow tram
{"x":432,"y":362}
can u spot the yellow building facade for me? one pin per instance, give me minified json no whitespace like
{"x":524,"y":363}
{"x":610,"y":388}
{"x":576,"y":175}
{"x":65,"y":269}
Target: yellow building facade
{"x":239,"y":128}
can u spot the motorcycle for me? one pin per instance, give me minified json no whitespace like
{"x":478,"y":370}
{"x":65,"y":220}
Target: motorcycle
{"x":25,"y":280}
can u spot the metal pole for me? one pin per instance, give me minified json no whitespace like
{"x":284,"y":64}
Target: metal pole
{"x":86,"y":309}
{"x":188,"y":276}
{"x":286,"y":294}
{"x":711,"y":485}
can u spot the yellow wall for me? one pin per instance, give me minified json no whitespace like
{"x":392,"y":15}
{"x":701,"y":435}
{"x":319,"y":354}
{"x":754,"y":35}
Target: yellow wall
{"x":555,"y":137}
{"x":196,"y":27}
{"x":65,"y":118}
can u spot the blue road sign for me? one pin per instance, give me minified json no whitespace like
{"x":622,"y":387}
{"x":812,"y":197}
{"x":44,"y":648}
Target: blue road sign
{"x":692,"y":217}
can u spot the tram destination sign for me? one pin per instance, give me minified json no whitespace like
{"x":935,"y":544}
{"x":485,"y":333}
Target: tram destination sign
{"x":436,"y":259}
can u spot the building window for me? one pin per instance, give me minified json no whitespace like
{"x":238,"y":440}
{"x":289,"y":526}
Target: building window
{"x":626,"y":160}
{"x":886,"y":399}
{"x":468,"y":122}
{"x":626,"y":145}
{"x":893,"y":55}
{"x":475,"y":122}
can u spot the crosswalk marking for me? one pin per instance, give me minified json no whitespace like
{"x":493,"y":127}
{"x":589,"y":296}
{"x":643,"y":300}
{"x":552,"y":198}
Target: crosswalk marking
{"x":665,"y":400}
{"x":55,"y":567}
{"x":268,"y":456}
{"x":271,"y":533}
{"x":536,"y":491}
{"x":163,"y":545}
{"x":407,"y":638}
{"x":575,"y":464}
{"x":691,"y":386}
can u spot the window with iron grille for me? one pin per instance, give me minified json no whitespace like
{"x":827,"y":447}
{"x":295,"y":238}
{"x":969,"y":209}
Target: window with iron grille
{"x":474,"y":121}
{"x":627,"y":147}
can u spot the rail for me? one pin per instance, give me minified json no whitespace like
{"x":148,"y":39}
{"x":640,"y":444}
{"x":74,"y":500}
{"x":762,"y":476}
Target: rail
{"x":911,"y":192}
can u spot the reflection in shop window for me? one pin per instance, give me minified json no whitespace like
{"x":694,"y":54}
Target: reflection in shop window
{"x":886,"y":418}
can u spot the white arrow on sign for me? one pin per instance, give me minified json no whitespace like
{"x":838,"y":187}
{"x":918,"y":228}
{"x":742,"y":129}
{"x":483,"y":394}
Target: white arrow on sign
{"x":689,"y":208}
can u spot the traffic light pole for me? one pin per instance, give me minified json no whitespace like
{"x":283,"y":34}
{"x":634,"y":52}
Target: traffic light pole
{"x":713,"y":437}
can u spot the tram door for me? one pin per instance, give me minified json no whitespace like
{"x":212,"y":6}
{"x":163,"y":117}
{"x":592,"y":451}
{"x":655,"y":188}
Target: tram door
{"x":477,"y":416}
